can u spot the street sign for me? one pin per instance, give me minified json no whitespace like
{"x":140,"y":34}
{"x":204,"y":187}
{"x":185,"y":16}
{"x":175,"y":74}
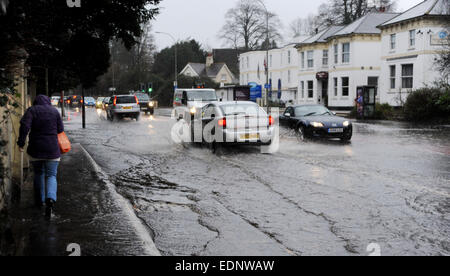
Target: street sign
{"x":112,"y":89}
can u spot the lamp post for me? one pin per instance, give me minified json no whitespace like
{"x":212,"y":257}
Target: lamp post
{"x":176,"y":57}
{"x":267,"y":55}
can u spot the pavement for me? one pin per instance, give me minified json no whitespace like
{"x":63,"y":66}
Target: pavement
{"x":90,"y":218}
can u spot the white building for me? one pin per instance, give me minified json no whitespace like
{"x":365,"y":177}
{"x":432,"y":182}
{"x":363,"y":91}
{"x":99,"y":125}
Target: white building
{"x":314,"y":63}
{"x":338,"y":60}
{"x":410,"y":43}
{"x":283,"y":71}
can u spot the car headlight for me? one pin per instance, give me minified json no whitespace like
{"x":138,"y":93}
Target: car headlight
{"x":316,"y":124}
{"x":193,"y":110}
{"x":151,"y":104}
{"x":346,"y":123}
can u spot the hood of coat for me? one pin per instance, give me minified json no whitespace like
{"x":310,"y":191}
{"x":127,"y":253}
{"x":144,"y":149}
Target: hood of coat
{"x":42,"y":100}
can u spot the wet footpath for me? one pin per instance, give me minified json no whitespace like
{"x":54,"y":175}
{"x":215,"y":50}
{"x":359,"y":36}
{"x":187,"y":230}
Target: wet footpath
{"x":89,"y":219}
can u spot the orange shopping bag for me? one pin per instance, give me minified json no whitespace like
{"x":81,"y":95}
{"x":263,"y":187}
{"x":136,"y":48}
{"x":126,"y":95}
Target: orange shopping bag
{"x":64,"y":143}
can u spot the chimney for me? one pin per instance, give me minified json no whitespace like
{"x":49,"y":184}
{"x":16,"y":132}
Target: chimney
{"x":209,"y":60}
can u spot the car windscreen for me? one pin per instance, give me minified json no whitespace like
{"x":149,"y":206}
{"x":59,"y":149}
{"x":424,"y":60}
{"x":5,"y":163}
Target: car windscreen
{"x":126,"y":100}
{"x":242,"y":109}
{"x":89,"y":99}
{"x":143,"y":97}
{"x":313,"y":110}
{"x":202,"y":95}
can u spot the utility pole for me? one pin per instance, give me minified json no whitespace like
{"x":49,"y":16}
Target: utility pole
{"x":83,"y":108}
{"x":176,"y":58}
{"x":46,"y":82}
{"x":266,"y":97}
{"x":63,"y":113}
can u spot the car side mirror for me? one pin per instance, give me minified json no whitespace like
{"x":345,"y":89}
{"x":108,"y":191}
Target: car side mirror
{"x":334,"y":113}
{"x":288,"y":115}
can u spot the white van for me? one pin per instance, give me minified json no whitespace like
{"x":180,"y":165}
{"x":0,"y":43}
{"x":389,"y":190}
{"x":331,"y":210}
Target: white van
{"x":186,"y":102}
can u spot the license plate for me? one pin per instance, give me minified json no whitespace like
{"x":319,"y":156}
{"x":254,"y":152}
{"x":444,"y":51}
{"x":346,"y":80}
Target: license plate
{"x":127,"y":107}
{"x":336,"y":130}
{"x":249,"y":136}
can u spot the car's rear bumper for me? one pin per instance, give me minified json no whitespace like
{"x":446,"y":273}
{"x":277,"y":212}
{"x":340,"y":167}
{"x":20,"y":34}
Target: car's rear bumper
{"x":248,"y":137}
{"x":126,"y":111}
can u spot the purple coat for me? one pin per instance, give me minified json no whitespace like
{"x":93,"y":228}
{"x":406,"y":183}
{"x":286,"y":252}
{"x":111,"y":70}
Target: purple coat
{"x":43,"y":122}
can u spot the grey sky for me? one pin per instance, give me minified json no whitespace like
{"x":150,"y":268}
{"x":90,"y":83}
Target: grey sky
{"x":202,"y":19}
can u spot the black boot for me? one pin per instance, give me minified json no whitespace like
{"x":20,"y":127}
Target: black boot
{"x":50,"y":203}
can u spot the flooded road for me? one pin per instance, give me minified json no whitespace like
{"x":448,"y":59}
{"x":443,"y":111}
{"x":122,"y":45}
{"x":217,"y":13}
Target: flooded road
{"x":389,"y":186}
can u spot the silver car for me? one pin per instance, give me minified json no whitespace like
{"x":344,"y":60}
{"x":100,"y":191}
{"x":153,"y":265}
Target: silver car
{"x":236,"y":123}
{"x":123,"y":106}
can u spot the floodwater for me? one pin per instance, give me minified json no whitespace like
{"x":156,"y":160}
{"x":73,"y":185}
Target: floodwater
{"x":389,"y":186}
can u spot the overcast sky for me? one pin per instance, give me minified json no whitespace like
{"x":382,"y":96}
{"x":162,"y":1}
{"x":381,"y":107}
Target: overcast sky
{"x":203,"y":19}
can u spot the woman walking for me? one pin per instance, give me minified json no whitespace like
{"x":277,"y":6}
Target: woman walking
{"x":43,"y":123}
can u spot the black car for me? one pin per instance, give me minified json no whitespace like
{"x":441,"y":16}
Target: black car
{"x":316,"y":121}
{"x":75,"y":101}
{"x":145,"y":103}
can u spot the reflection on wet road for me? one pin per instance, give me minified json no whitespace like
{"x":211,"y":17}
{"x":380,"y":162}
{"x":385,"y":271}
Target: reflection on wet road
{"x":390,"y":186}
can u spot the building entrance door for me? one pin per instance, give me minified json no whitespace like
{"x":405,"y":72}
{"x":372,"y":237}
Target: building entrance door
{"x":324,"y":92}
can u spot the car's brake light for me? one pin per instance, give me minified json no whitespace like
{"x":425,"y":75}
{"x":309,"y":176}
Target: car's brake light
{"x":223,"y":122}
{"x":271,"y":121}
{"x":115,"y":101}
{"x":137,"y":101}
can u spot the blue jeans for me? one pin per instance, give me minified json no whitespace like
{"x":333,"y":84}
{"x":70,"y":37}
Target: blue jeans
{"x":45,"y":184}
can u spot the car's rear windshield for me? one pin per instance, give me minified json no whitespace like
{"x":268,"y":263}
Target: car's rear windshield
{"x":202,"y":95}
{"x":242,"y":109}
{"x":126,"y":100}
{"x":143,"y":97}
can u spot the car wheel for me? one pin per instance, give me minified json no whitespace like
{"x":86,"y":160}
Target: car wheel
{"x":138,"y":117}
{"x":301,"y":135}
{"x":115,"y":117}
{"x":215,"y":147}
{"x":192,"y":134}
{"x":152,"y":112}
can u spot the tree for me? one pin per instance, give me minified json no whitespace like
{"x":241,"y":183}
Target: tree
{"x":56,"y":37}
{"x":129,"y":67}
{"x":187,"y":51}
{"x":338,"y":12}
{"x":246,"y":26}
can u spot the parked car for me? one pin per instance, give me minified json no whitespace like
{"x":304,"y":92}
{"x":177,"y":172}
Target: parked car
{"x":146,"y":104}
{"x":99,"y":103}
{"x":55,"y":100}
{"x":123,"y":106}
{"x":228,"y":123}
{"x":316,"y":121}
{"x":89,"y":101}
{"x":186,"y":102}
{"x":105,"y":103}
